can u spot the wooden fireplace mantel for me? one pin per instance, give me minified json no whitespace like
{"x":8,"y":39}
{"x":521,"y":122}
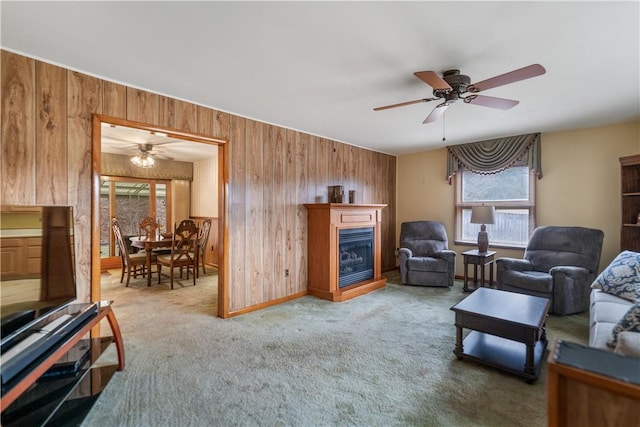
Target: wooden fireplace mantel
{"x":325,"y":222}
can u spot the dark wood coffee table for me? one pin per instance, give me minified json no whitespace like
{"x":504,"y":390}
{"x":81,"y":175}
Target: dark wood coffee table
{"x":507,"y":331}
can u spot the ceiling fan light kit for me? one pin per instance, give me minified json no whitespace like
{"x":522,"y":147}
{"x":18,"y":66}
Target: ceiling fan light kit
{"x":452,"y":86}
{"x":144,"y":159}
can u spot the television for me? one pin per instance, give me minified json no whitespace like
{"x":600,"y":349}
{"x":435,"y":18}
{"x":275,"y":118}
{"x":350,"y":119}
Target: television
{"x":37,"y":283}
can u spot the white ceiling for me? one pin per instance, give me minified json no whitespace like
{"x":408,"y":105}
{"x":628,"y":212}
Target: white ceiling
{"x":321,"y":67}
{"x":126,"y":141}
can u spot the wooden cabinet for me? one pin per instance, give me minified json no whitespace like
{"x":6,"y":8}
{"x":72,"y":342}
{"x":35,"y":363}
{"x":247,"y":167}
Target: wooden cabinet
{"x":325,"y":222}
{"x":20,"y":257}
{"x":590,"y":387}
{"x":630,"y":187}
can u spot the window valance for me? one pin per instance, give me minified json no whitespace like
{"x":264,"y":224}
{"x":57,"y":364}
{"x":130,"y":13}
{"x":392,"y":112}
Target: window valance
{"x":495,"y":155}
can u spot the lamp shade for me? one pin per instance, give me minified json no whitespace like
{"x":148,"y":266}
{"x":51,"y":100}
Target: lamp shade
{"x":483,"y":215}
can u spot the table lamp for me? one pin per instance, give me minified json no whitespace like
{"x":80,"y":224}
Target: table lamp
{"x":483,"y":215}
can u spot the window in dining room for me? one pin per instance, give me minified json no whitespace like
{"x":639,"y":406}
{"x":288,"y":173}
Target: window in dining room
{"x":130,"y":200}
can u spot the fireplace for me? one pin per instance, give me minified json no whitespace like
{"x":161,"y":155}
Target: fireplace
{"x":355,"y":255}
{"x":344,"y":253}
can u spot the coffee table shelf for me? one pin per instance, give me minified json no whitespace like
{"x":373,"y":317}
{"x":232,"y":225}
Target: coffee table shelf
{"x":507,"y":355}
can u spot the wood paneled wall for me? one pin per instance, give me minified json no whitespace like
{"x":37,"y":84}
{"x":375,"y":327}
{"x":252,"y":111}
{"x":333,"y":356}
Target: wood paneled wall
{"x":46,"y":121}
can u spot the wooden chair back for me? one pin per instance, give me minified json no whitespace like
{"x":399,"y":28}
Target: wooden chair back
{"x":147,"y":227}
{"x":185,"y":241}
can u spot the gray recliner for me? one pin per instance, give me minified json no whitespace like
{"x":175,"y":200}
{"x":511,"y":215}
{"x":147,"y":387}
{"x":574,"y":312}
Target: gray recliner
{"x":560,"y":263}
{"x":424,"y":255}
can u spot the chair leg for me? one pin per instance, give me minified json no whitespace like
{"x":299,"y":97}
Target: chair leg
{"x":128,"y":277}
{"x":122,"y":273}
{"x":171,"y":277}
{"x":159,"y":272}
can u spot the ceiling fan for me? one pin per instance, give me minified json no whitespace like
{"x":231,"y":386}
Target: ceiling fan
{"x":452,"y":86}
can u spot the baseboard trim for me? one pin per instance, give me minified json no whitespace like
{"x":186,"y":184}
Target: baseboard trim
{"x":262,"y":305}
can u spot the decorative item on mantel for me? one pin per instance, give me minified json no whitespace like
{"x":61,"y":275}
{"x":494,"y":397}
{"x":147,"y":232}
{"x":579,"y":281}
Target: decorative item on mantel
{"x":352,"y":199}
{"x":483,"y":215}
{"x":336,"y":194}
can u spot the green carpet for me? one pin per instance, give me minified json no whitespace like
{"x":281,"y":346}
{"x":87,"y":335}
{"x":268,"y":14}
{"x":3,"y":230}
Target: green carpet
{"x":384,"y":358}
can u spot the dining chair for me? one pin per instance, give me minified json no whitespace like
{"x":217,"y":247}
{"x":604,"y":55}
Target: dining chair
{"x":147,"y":227}
{"x":203,"y":239}
{"x":183,"y":252}
{"x":132,"y":263}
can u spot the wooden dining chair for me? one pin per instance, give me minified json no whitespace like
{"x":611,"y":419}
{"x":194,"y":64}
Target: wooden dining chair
{"x":203,"y":239}
{"x":135,"y":264}
{"x":147,"y":227}
{"x":183,"y":252}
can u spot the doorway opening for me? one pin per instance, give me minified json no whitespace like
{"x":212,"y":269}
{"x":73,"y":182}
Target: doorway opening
{"x":142,"y":192}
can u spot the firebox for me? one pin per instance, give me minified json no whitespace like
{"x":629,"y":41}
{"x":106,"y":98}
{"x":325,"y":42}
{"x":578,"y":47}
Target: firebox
{"x":355,"y":255}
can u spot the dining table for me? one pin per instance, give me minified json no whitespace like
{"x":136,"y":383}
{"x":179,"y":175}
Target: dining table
{"x":148,"y":244}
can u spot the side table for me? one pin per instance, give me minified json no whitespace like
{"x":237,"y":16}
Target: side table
{"x":478,"y":259}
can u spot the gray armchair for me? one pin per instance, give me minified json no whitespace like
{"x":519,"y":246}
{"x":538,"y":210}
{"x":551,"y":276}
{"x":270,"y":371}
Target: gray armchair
{"x":424,"y":255}
{"x":560,"y":263}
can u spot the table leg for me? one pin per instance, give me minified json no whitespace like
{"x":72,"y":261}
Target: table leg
{"x":148,"y":249}
{"x":491,"y":274}
{"x":528,"y":366}
{"x":475,"y":276}
{"x":466,"y":276}
{"x":482,"y":275}
{"x":459,"y":348}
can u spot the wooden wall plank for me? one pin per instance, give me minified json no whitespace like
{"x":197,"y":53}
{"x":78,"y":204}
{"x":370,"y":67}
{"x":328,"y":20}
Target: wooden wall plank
{"x":18,"y":129}
{"x":302,"y":178}
{"x":114,"y":99}
{"x":186,"y":116}
{"x":292,"y":283}
{"x":238,"y":288}
{"x":254,"y":276}
{"x":51,"y":131}
{"x":204,"y":119}
{"x":221,"y":124}
{"x":269,"y":248}
{"x":143,"y":106}
{"x":278,"y":142}
{"x":84,"y":99}
{"x":167,"y":113}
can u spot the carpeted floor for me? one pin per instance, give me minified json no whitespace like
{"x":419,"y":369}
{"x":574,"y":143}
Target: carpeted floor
{"x":384,"y":358}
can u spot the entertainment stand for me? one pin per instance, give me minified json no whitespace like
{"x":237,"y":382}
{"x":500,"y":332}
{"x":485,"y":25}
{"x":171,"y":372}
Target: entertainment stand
{"x":62,"y":384}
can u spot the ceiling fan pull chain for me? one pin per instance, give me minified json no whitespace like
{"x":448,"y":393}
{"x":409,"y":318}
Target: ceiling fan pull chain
{"x":443,"y":128}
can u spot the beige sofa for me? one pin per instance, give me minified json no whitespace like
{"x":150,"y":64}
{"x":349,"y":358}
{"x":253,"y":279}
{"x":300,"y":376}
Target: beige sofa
{"x":605,"y":311}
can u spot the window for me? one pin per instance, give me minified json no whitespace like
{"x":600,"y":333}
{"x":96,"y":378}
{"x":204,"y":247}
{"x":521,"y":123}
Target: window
{"x":511,"y":191}
{"x":130,"y":200}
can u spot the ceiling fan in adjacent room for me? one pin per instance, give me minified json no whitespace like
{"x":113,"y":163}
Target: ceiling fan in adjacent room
{"x":143,"y":158}
{"x":452,"y":86}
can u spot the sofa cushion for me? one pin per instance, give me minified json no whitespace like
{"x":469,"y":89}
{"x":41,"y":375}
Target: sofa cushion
{"x":629,"y":322}
{"x":621,"y":277}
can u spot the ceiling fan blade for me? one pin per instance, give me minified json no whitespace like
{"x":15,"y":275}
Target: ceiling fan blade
{"x":432,"y":79}
{"x":402,"y":104}
{"x":436,"y":113}
{"x":491,"y":101}
{"x":507,"y":78}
